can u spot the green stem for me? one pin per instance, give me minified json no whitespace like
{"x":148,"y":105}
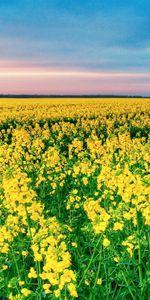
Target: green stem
{"x":14,"y":258}
{"x":28,"y":221}
{"x":139,"y":258}
{"x":17,"y":268}
{"x":128,"y":286}
{"x":97,"y":275}
{"x":106,"y":276}
{"x":114,"y":292}
{"x":89,"y":264}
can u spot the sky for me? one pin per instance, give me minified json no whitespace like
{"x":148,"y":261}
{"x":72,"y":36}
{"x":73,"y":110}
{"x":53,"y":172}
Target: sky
{"x":75,"y":47}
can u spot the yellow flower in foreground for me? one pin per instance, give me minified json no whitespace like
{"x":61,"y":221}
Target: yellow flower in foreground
{"x":16,"y":297}
{"x":57,"y":293}
{"x":74,"y":244}
{"x":25,"y":253}
{"x":85,"y":180}
{"x":38,"y":257}
{"x":116,"y":258}
{"x":106,"y":242}
{"x":99,"y":281}
{"x":77,"y":205}
{"x":72,"y":290}
{"x":25,"y":292}
{"x":118,"y":226}
{"x":21,"y":282}
{"x":46,"y":287}
{"x":32,"y":273}
{"x":86,"y":282}
{"x":5,"y":267}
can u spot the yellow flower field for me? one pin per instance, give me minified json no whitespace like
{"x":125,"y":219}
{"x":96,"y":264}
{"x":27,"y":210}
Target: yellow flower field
{"x":74,"y":199}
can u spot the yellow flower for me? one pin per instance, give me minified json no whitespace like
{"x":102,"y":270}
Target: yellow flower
{"x":5,"y":267}
{"x":77,"y":205}
{"x":46,"y":288}
{"x":25,"y":253}
{"x":72,"y":290}
{"x":32,"y":273}
{"x":16,"y":297}
{"x":25,"y":292}
{"x":5,"y":249}
{"x":74,"y":244}
{"x":106,"y":242}
{"x":37,"y":257}
{"x":118,"y":226}
{"x":21,"y":283}
{"x":57,"y":293}
{"x":86,"y":282}
{"x":54,"y":185}
{"x":116,"y":258}
{"x":85,"y":180}
{"x":74,"y":192}
{"x":99,"y":281}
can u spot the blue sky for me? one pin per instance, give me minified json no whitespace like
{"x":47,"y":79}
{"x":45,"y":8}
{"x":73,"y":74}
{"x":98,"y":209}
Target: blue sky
{"x":71,"y":35}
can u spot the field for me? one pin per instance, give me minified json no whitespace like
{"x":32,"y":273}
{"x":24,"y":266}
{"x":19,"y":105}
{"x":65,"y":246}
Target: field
{"x":74,"y":199}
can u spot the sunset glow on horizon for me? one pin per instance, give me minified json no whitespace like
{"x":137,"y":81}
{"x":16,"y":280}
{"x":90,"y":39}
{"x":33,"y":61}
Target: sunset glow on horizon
{"x":71,"y":73}
{"x":76,"y":82}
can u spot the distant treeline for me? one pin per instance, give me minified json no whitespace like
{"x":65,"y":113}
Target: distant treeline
{"x":70,"y":96}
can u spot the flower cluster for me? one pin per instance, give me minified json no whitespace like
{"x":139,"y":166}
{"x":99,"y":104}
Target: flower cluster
{"x":74,"y":199}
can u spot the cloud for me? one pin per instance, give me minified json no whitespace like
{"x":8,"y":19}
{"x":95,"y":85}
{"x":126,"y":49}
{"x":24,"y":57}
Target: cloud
{"x":87,"y":35}
{"x":96,"y":22}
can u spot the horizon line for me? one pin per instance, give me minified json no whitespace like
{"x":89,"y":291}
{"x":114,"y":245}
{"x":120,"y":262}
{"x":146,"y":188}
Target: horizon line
{"x":71,"y":96}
